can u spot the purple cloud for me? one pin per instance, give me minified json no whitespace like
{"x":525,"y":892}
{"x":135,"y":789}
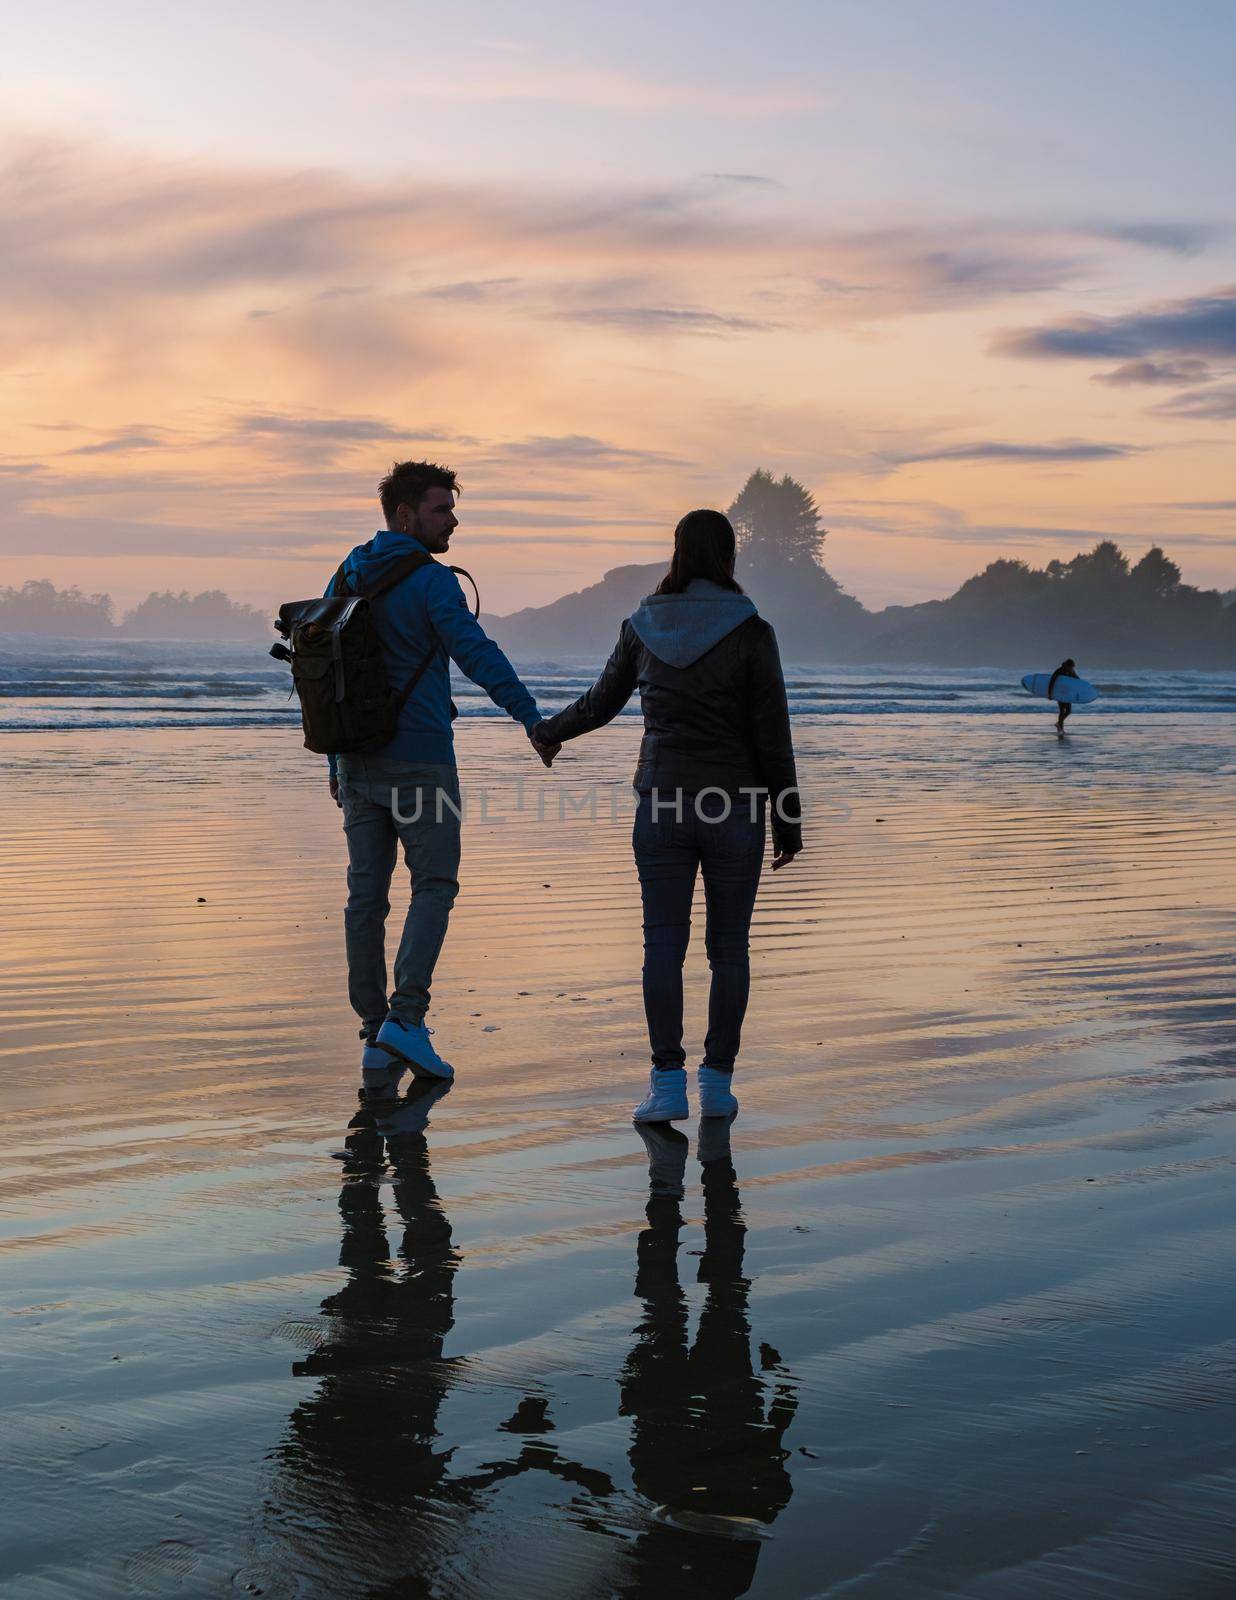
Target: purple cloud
{"x":1201,"y":326}
{"x":1177,"y":371}
{"x":998,"y":450}
{"x":1212,"y":405}
{"x":119,"y":444}
{"x":662,"y":319}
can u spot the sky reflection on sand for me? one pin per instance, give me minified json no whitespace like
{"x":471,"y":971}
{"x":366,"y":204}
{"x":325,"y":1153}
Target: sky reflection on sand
{"x":951,"y":1319}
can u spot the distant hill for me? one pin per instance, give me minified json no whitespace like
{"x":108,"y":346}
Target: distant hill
{"x":38,"y":607}
{"x":211,"y":615}
{"x":1095,"y":607}
{"x":584,"y":623}
{"x":814,"y":618}
{"x":780,"y":540}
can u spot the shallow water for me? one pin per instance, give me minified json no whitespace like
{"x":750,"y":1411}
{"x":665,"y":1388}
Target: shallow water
{"x":947,"y":1316}
{"x":49,"y":684}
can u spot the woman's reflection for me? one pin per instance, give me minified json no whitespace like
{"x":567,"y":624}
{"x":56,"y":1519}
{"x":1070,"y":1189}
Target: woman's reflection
{"x":706,"y":1426}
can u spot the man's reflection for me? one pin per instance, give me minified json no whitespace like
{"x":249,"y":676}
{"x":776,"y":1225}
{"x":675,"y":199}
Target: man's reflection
{"x":364,"y":1449}
{"x":706,"y":1427}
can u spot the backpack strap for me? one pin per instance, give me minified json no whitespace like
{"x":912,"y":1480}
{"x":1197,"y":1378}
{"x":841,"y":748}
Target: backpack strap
{"x":338,"y":585}
{"x":401,"y":699}
{"x":434,"y":649}
{"x":401,"y":570}
{"x":462,"y":573}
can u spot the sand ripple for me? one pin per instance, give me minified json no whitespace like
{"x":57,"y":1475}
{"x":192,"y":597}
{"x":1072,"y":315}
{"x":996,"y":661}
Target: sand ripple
{"x":954,"y":1323}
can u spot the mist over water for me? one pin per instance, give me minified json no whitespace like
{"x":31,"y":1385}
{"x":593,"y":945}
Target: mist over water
{"x":49,"y":684}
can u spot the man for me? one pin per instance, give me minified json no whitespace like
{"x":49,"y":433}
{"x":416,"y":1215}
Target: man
{"x":407,"y":793}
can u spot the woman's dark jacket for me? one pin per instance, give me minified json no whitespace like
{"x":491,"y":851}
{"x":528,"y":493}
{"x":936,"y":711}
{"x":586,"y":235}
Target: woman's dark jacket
{"x":713,"y":696}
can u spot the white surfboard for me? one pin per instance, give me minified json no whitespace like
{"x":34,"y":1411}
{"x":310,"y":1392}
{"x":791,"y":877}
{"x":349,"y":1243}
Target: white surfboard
{"x":1072,"y":691}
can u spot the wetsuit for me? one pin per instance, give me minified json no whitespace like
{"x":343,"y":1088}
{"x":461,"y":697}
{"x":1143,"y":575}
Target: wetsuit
{"x":1063,"y":707}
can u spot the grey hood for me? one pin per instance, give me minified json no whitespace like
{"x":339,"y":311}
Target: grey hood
{"x":680,"y":628}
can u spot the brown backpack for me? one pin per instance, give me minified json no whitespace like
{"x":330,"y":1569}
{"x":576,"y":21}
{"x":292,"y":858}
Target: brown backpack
{"x":338,"y":672}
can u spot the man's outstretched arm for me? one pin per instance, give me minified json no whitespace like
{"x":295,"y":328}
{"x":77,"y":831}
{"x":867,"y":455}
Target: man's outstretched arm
{"x":474,"y":652}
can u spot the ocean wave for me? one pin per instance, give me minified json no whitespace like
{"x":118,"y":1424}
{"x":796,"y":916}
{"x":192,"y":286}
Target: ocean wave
{"x":195,"y":715}
{"x":153,"y":685}
{"x":128,"y":691}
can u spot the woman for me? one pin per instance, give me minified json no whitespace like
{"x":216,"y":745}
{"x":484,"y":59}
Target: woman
{"x":1066,"y":669}
{"x":716,"y":733}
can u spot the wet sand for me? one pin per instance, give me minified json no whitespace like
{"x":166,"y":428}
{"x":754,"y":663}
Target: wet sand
{"x":947,"y":1314}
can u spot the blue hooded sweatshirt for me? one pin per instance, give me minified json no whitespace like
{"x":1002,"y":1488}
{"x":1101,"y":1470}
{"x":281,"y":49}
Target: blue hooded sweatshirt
{"x":412,"y":619}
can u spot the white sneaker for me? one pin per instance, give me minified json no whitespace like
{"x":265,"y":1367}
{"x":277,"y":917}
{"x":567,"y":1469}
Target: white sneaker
{"x":716,"y":1096}
{"x":666,"y":1100}
{"x":410,"y":1042}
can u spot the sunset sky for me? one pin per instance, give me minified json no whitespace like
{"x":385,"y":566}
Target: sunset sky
{"x":968,"y":270}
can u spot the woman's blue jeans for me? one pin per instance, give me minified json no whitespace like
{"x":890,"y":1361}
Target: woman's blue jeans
{"x":675,"y":834}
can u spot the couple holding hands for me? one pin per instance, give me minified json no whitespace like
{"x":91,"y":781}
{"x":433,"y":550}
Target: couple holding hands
{"x":715,"y":771}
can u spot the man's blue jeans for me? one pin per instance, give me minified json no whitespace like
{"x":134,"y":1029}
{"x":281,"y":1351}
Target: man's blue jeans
{"x":668,"y":851}
{"x":387,"y":804}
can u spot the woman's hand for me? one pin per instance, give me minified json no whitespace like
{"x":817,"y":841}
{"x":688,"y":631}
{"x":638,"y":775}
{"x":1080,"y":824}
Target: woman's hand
{"x":545,"y":748}
{"x":782,"y":858}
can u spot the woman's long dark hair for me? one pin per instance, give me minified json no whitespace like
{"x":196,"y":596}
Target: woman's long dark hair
{"x":704,"y":547}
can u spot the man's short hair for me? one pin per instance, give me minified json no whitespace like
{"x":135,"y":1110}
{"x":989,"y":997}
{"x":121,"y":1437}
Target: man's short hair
{"x":408,"y":482}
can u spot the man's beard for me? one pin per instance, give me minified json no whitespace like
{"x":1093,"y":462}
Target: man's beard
{"x":430,"y":541}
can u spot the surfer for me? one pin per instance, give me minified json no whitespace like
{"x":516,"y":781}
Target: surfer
{"x":1066,"y":669}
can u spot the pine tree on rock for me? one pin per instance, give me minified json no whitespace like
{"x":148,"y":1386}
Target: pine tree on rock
{"x":777,"y":522}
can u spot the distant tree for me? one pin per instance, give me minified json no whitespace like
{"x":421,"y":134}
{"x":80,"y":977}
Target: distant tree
{"x":1093,"y":607}
{"x":1002,"y":582}
{"x":1155,"y":576}
{"x":210,"y":615}
{"x":39,"y":607}
{"x":778,"y":520}
{"x":1102,"y":568}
